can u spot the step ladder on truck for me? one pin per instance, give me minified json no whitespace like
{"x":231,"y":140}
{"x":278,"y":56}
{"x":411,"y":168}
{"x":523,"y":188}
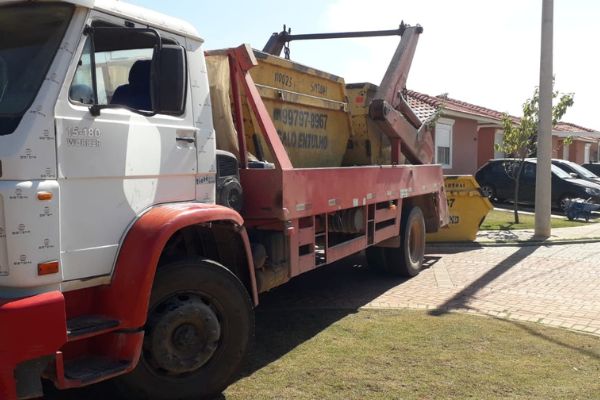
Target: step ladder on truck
{"x":131,"y":249}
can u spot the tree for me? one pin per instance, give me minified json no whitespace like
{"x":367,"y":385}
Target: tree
{"x":520,"y":135}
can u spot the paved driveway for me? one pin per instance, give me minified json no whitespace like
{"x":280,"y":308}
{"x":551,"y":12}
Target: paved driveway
{"x":558,"y":285}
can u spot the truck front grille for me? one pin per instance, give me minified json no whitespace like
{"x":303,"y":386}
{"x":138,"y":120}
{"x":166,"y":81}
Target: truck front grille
{"x":227,"y":164}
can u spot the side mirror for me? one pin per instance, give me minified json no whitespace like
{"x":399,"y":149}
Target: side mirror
{"x":574,"y":175}
{"x":170,"y":80}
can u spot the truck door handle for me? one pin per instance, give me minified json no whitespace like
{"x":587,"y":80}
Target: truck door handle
{"x":186,"y":135}
{"x":188,"y":139}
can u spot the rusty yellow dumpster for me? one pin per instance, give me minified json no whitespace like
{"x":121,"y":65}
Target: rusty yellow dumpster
{"x":467,"y":206}
{"x":308,"y":107}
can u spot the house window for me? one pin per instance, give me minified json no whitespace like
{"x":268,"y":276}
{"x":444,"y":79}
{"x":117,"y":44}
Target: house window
{"x":586,"y":153}
{"x":565,"y":155}
{"x":498,"y":140}
{"x":443,"y":142}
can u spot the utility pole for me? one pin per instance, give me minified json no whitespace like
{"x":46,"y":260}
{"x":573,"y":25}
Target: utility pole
{"x":543,"y":188}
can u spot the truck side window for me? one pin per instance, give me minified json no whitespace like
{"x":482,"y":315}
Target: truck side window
{"x":122,"y":72}
{"x":81,"y":90}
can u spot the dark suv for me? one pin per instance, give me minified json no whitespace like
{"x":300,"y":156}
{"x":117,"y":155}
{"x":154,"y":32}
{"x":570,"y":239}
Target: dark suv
{"x":497,"y":184}
{"x":576,"y":170}
{"x":594,"y":167}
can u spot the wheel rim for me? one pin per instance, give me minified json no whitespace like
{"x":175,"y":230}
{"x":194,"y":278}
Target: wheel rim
{"x":416,"y":242}
{"x":183,"y":334}
{"x":564,"y":202}
{"x":487,"y":191}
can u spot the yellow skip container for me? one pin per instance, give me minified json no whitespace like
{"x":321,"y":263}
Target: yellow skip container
{"x":308,"y":107}
{"x":467,"y":207}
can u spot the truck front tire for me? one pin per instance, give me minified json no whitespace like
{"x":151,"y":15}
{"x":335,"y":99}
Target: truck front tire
{"x":200,"y":325}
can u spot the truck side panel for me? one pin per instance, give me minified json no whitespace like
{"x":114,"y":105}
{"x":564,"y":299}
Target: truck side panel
{"x":297,"y":193}
{"x":306,"y":218}
{"x":202,"y":110}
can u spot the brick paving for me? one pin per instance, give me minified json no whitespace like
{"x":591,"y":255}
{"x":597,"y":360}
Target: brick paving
{"x":557,"y":285}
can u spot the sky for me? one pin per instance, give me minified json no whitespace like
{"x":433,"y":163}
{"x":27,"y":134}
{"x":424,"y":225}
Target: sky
{"x":485,"y":52}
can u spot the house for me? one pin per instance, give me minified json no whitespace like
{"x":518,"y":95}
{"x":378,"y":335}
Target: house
{"x":465,"y":134}
{"x":584,"y":147}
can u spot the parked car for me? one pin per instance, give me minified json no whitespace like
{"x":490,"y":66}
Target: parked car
{"x":496,"y":184}
{"x":594,"y":167}
{"x":576,"y":170}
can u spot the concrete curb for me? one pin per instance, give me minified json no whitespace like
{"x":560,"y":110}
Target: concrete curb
{"x":511,"y":243}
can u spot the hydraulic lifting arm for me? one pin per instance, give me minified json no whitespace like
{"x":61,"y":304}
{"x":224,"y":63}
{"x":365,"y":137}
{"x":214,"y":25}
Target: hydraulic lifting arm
{"x":389,"y":110}
{"x":278,"y":41}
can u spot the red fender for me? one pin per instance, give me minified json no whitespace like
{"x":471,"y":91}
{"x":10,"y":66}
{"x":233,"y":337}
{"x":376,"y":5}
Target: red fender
{"x":128,"y":295}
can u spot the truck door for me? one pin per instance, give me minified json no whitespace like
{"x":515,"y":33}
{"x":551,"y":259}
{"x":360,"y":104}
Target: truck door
{"x":114,"y":165}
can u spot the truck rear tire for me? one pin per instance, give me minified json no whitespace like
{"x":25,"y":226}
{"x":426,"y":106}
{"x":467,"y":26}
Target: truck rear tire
{"x":407,"y":260}
{"x":200,"y":326}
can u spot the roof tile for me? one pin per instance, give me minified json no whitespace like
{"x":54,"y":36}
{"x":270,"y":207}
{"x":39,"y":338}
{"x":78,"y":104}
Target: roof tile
{"x":425,"y":106}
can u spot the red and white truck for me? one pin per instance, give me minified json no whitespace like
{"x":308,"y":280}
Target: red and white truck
{"x":130,"y":247}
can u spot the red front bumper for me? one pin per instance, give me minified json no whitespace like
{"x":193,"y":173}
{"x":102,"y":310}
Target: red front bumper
{"x":30,"y":328}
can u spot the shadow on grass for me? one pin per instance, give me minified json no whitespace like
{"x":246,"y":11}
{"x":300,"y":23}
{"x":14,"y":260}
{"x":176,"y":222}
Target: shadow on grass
{"x":279,"y":331}
{"x":506,"y":226}
{"x":533,"y":332}
{"x":321,"y":297}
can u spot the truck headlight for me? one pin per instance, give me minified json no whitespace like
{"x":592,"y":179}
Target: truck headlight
{"x":592,"y":191}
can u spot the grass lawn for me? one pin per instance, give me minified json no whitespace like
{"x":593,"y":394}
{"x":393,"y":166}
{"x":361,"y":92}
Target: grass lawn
{"x":405,"y":354}
{"x":329,"y":354}
{"x":497,"y":220}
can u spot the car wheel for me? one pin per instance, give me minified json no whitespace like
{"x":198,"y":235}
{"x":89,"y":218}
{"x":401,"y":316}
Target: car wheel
{"x":564,"y":201}
{"x":488,"y":191}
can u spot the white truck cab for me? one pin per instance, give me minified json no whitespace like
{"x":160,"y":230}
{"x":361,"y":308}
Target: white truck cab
{"x":84,"y":147}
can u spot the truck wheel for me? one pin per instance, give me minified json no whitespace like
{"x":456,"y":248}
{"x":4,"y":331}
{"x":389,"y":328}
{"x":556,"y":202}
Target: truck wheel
{"x":407,"y":260}
{"x":200,"y":325}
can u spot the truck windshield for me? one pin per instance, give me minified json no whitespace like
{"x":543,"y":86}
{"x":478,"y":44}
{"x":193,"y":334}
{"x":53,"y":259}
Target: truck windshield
{"x":30,"y":34}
